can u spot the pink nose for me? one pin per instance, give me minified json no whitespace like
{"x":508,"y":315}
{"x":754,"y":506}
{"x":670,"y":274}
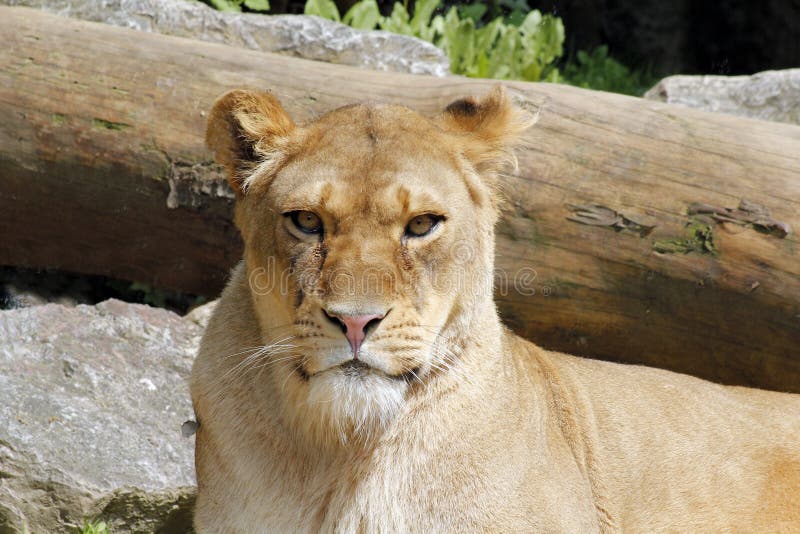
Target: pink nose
{"x":354,"y":327}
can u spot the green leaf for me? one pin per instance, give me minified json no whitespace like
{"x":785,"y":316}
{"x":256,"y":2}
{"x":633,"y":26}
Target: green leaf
{"x":503,"y":56}
{"x":521,"y":6}
{"x":531,"y":71}
{"x":364,"y":15}
{"x":322,"y":8}
{"x":423,"y":11}
{"x":481,"y":69}
{"x":257,"y":5}
{"x":553,"y":31}
{"x":542,"y":39}
{"x":397,"y":21}
{"x":486,"y":36}
{"x":516,"y":18}
{"x":458,"y":41}
{"x":96,"y":527}
{"x":473,"y":11}
{"x":437,"y":26}
{"x":531,"y":22}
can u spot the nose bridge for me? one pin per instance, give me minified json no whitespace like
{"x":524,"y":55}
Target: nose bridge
{"x":362,"y":242}
{"x":360,"y":270}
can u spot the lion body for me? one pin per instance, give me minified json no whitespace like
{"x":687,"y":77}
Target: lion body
{"x":541,"y":442}
{"x":500,"y":436}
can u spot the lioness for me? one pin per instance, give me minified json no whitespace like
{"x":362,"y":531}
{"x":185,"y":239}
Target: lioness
{"x":355,"y":376}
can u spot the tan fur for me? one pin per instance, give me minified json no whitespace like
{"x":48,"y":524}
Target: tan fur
{"x":457,"y":425}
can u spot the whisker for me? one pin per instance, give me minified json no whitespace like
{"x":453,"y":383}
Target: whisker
{"x":292,"y":370}
{"x":272,"y":362}
{"x":257,"y":355}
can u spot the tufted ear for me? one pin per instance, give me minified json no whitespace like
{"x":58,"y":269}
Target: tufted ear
{"x":488,"y":126}
{"x":245,"y":130}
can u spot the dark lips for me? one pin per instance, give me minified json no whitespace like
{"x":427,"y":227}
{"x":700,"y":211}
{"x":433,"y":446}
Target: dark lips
{"x":359,"y":367}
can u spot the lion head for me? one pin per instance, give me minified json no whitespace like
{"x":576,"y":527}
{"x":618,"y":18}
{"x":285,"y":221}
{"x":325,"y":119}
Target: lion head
{"x":368,"y":245}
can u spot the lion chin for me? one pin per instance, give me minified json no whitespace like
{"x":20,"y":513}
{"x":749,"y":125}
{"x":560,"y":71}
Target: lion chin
{"x":348,"y":401}
{"x":356,"y":377}
{"x":352,"y":401}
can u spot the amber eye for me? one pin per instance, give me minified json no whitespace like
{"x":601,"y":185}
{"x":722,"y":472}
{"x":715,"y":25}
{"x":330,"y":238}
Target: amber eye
{"x":306,"y":221}
{"x":422,"y":225}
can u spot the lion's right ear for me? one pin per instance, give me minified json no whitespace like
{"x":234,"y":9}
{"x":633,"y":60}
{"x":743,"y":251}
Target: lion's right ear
{"x":489,"y":128}
{"x":245,"y":130}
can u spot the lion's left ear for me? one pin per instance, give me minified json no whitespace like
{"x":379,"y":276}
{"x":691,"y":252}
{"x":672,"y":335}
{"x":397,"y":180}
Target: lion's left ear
{"x":488,"y":126}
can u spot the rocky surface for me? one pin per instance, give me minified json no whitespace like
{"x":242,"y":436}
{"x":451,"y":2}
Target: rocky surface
{"x":296,"y":35}
{"x":770,"y":95}
{"x":91,"y":403}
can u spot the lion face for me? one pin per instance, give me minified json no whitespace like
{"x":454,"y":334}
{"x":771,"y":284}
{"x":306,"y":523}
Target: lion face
{"x":368,"y":243}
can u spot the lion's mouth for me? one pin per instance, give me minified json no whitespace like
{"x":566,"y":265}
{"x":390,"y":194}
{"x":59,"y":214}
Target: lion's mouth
{"x":354,"y":367}
{"x":358,"y":368}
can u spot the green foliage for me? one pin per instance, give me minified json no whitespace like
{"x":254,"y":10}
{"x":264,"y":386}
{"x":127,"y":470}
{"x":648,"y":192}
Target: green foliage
{"x":260,"y":6}
{"x":501,"y":39}
{"x":364,"y":15}
{"x":257,"y":5}
{"x":483,"y":11}
{"x":475,"y":11}
{"x":527,"y":51}
{"x":323,"y":8}
{"x":600,"y":71}
{"x":95,"y":527}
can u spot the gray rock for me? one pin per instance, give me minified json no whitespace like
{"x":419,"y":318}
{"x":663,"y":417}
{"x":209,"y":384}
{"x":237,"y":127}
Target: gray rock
{"x":771,"y":95}
{"x":92,"y":399}
{"x":295,"y":35}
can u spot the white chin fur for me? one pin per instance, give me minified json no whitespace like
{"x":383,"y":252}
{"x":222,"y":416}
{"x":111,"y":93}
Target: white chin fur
{"x":354,"y":406}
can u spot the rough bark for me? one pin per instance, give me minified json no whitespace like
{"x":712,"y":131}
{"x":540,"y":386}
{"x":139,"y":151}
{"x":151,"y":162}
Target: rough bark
{"x":615,"y":243}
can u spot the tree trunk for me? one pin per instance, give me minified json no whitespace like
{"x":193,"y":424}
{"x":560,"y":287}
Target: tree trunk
{"x":621,"y":238}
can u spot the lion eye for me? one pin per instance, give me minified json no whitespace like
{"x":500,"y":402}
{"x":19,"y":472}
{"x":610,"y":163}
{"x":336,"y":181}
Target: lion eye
{"x":422,"y":225}
{"x":307,"y":221}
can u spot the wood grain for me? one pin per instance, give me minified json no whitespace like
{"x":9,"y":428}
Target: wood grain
{"x":96,"y":122}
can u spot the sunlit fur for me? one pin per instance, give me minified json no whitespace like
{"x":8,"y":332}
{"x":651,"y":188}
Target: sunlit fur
{"x":448,"y":422}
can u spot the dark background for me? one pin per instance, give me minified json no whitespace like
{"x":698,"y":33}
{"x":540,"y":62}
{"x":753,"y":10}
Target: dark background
{"x":685,"y":36}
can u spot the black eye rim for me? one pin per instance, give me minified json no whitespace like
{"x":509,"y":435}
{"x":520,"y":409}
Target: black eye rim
{"x":294,"y":216}
{"x":436,"y":221}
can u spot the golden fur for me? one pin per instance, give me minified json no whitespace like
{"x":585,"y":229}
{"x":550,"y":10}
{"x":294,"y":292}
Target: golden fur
{"x":451,"y":423}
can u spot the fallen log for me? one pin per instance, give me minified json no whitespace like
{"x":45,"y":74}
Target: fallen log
{"x":635,"y":231}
